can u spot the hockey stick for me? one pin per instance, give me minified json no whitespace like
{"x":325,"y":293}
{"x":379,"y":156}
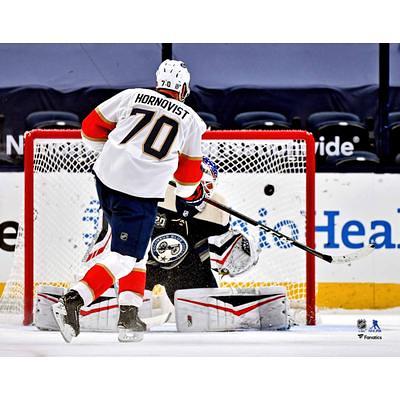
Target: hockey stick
{"x":326,"y":257}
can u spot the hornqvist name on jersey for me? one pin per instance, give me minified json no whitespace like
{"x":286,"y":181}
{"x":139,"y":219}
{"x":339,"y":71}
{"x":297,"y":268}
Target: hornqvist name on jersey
{"x":161,"y":102}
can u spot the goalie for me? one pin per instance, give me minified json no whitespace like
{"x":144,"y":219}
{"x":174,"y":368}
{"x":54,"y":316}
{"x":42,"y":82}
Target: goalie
{"x":191,"y":247}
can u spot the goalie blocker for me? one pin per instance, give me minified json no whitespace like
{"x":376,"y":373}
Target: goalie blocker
{"x":196,"y":310}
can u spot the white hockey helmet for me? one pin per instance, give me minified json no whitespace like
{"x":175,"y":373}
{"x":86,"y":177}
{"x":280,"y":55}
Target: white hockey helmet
{"x":173,"y":75}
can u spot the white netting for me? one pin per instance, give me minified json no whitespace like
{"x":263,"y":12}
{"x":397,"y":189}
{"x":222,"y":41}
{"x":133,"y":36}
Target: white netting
{"x":263,"y":179}
{"x":266,"y":180}
{"x":65,"y":218}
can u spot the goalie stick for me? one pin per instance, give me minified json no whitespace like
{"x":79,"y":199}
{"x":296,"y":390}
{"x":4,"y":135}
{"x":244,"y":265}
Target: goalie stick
{"x":366,"y":250}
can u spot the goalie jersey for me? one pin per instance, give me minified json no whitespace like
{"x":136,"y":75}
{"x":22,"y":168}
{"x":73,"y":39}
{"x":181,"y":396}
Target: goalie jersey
{"x":179,"y":255}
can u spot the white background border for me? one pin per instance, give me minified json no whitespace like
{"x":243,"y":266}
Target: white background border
{"x":199,"y":21}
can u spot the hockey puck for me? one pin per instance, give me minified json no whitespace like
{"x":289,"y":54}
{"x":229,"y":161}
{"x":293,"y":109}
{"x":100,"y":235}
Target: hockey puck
{"x":269,"y":190}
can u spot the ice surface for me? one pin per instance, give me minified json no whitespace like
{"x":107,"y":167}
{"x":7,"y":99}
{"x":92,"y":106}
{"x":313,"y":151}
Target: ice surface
{"x":336,"y":335}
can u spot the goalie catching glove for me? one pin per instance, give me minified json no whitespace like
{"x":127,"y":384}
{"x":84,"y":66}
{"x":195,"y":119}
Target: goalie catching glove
{"x":233,"y":253}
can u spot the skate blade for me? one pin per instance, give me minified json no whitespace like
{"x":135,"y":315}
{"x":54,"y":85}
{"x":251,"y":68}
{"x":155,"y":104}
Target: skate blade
{"x":59,"y":312}
{"x":125,"y":335}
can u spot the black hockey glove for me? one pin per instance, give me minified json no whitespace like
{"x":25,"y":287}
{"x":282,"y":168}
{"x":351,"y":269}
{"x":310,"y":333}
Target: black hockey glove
{"x":188,"y":207}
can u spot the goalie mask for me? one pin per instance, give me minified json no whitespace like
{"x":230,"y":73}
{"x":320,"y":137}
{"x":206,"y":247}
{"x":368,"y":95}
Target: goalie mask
{"x":210,"y":175}
{"x":173,"y":75}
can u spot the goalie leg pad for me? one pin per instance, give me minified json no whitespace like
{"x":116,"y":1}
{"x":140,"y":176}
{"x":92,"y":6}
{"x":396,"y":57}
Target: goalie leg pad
{"x":100,"y":316}
{"x":46,"y":297}
{"x":229,"y":309}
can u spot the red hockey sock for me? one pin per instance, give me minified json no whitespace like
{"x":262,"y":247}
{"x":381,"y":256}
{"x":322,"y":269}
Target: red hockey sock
{"x":135,"y":282}
{"x":98,"y":279}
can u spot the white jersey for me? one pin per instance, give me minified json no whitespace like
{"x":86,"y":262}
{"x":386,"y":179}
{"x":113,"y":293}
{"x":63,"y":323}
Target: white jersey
{"x":149,"y":134}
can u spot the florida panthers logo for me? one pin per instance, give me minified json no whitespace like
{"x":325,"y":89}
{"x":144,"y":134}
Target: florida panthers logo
{"x":169,"y":248}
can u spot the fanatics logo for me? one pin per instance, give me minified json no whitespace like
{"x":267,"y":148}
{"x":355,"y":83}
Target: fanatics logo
{"x":123,"y":236}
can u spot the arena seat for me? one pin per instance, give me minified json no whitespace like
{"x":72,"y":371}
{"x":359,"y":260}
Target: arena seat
{"x":52,"y":120}
{"x":394,"y":118}
{"x":315,"y":120}
{"x":210,"y":120}
{"x":394,"y":136}
{"x":261,"y":120}
{"x":359,"y":161}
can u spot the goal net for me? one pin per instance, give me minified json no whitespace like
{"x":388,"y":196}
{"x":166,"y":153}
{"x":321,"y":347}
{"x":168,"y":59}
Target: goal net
{"x":266,"y":175}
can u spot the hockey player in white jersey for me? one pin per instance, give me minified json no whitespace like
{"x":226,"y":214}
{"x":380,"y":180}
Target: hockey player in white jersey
{"x":145,"y":138}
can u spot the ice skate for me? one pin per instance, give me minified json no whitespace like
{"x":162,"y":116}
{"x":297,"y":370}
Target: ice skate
{"x":130,"y":326}
{"x":66,"y":313}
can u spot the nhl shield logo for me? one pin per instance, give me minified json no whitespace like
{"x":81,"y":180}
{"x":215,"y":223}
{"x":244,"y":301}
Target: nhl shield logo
{"x":362,"y":325}
{"x":123,"y":236}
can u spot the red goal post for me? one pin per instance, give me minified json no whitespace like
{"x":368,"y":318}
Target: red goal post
{"x":242,"y":156}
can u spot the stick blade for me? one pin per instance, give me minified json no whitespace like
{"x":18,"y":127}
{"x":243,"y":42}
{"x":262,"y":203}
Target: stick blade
{"x":364,"y":252}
